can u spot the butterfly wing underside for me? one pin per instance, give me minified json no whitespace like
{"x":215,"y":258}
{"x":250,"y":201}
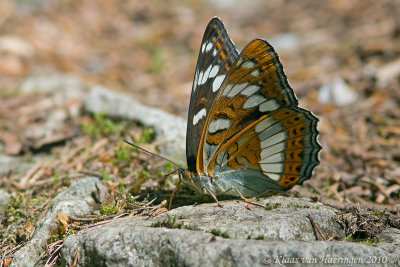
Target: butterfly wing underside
{"x":254,"y":129}
{"x":217,"y":54}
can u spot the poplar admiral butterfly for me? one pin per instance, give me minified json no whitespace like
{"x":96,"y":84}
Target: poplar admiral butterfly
{"x":246,"y":136}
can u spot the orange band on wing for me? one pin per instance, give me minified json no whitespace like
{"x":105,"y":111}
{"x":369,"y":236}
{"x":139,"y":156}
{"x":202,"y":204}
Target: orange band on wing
{"x":230,"y":141}
{"x":199,"y":159}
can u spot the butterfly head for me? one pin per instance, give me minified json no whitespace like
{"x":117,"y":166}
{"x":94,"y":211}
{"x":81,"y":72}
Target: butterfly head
{"x":194,"y":180}
{"x":185,"y":175}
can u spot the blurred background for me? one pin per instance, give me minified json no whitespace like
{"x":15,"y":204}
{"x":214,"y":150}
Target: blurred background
{"x":342,"y":58}
{"x":150,"y":48}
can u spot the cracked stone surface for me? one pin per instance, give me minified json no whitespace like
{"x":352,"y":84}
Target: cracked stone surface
{"x":79,"y":200}
{"x":287,"y":222}
{"x":254,"y":237}
{"x":235,"y":235}
{"x":126,"y":244}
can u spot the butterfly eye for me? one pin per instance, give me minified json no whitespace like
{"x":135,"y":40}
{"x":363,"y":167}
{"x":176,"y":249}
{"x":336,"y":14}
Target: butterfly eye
{"x":186,"y":175}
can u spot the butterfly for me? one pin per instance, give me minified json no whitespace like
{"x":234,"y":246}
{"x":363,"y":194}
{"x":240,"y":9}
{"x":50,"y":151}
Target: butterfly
{"x":246,"y":135}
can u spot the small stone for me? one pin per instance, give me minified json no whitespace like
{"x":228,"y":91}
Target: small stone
{"x":169,"y":129}
{"x":78,"y":200}
{"x":64,"y":87}
{"x":388,"y":72}
{"x":284,"y":42}
{"x":16,"y":45}
{"x":337,"y":92}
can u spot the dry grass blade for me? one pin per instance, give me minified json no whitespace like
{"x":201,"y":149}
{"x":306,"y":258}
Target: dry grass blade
{"x":6,"y":257}
{"x":316,"y":228}
{"x":53,"y":253}
{"x":75,"y":263}
{"x":23,"y":183}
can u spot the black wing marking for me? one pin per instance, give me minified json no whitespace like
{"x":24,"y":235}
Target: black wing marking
{"x":216,"y":56}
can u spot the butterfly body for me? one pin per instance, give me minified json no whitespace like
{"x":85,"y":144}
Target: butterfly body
{"x":224,"y":183}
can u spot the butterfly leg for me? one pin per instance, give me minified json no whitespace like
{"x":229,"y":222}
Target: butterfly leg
{"x":247,"y":200}
{"x":173,"y":194}
{"x":213,"y":196}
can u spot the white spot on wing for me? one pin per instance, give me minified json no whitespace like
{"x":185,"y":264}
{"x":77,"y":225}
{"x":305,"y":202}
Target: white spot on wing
{"x":269,"y":105}
{"x":276,"y":138}
{"x":236,"y":89}
{"x":217,"y":82}
{"x":248,"y":64}
{"x":250,"y":90}
{"x":214,"y":52}
{"x":214,"y":71}
{"x":227,"y":89}
{"x":196,"y":78}
{"x":273,"y":176}
{"x":200,"y":77}
{"x":203,"y":47}
{"x":239,"y":62}
{"x":272,"y":150}
{"x":253,"y":101}
{"x":255,"y":73}
{"x":209,"y":46}
{"x":205,"y":75}
{"x":201,"y":114}
{"x":276,"y":167}
{"x":218,"y":124}
{"x":264,"y":124}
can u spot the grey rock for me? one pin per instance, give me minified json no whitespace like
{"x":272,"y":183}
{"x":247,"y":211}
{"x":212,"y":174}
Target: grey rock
{"x":224,"y":5}
{"x":79,"y":200}
{"x":19,"y":164}
{"x":284,"y":42}
{"x":4,"y":199}
{"x":62,"y":87}
{"x":16,"y":45}
{"x":56,"y":106}
{"x":126,"y":244}
{"x":170,"y":130}
{"x":388,"y":72}
{"x":391,"y":244}
{"x":285,"y":221}
{"x":287,"y":239}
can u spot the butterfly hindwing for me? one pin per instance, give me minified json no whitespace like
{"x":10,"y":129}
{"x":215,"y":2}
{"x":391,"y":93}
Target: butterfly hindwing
{"x":280,"y":145}
{"x":217,"y":54}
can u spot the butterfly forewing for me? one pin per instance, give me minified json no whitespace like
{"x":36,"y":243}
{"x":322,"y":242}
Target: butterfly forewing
{"x":255,"y":85}
{"x":255,"y":126}
{"x":216,"y":56}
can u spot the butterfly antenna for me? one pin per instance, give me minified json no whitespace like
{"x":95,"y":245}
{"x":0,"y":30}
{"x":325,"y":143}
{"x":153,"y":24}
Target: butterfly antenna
{"x":151,"y":153}
{"x":171,"y":173}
